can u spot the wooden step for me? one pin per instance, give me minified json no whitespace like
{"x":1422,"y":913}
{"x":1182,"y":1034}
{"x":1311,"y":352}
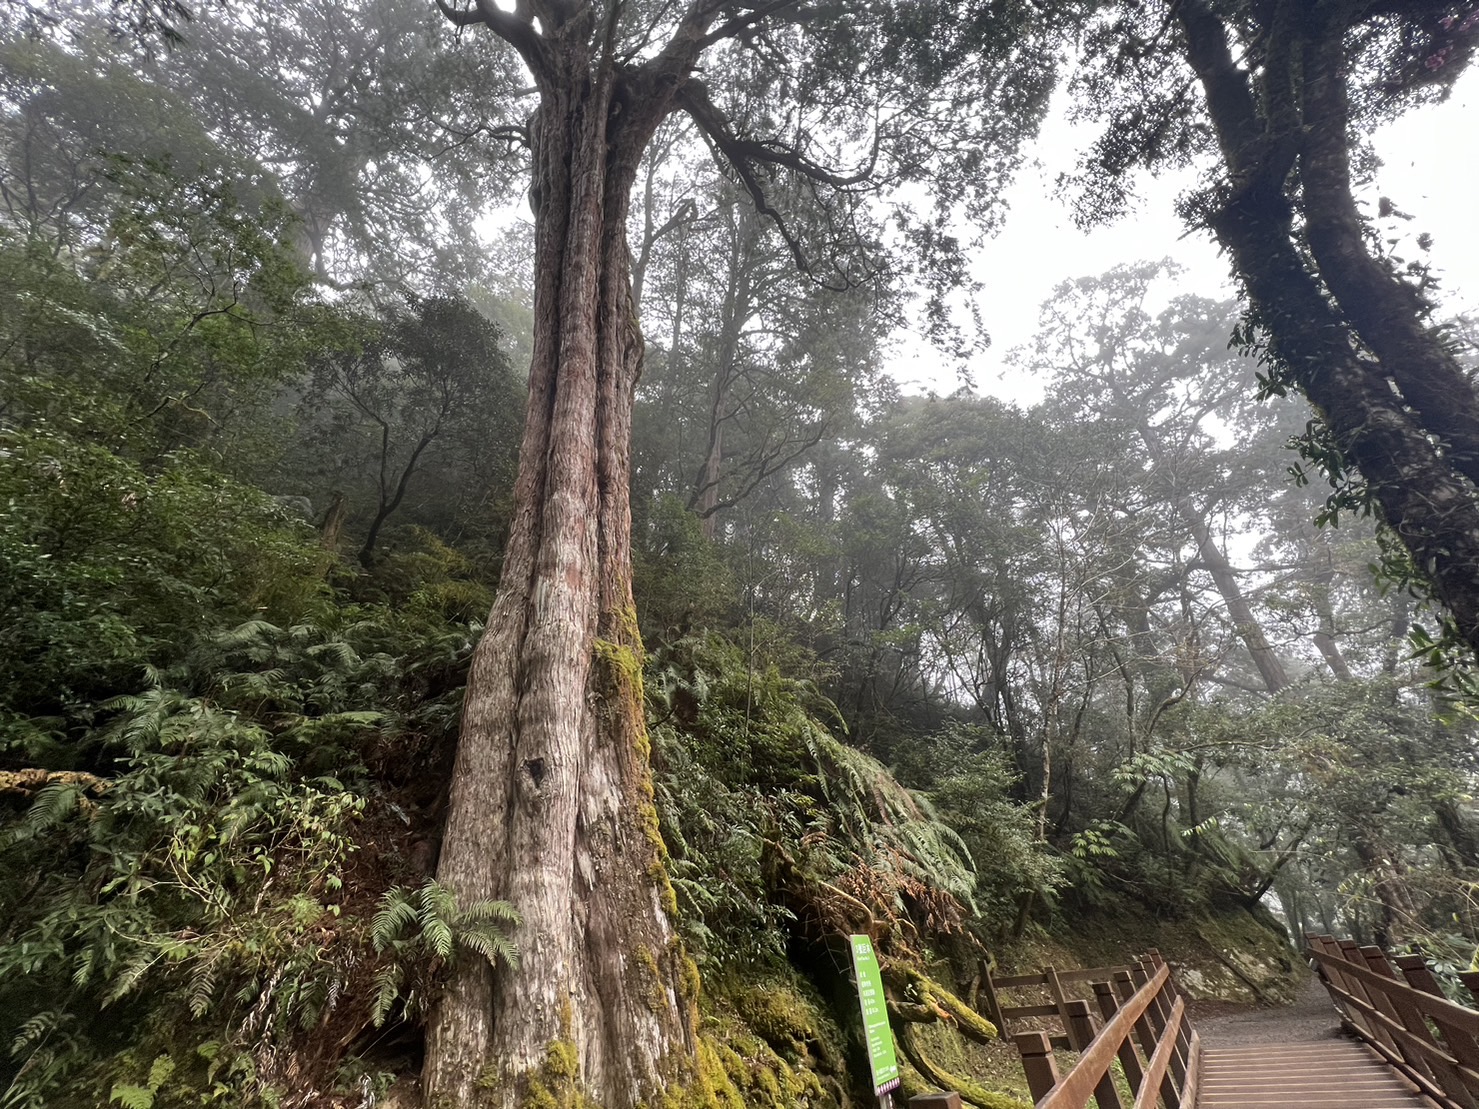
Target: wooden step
{"x":1326,"y":1075}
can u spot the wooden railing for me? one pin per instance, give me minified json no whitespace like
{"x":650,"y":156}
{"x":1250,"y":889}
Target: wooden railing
{"x":1062,"y":987}
{"x":1397,"y":1006}
{"x":1141,"y":1006}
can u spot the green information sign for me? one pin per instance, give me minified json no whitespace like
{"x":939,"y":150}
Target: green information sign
{"x":875,"y":1017}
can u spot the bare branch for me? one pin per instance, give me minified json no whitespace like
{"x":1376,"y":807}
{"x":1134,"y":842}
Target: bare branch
{"x":767,"y":463}
{"x":742,"y":157}
{"x":516,"y":31}
{"x":741,"y":23}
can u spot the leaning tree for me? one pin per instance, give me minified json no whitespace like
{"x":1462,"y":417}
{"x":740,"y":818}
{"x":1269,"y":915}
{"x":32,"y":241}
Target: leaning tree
{"x":829,"y":109}
{"x":1281,"y":93}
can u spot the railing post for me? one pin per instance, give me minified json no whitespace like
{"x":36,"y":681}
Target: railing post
{"x":1375,"y":960}
{"x":1411,"y":1018}
{"x":1125,"y":983}
{"x":1080,"y":1023}
{"x":1415,"y":970}
{"x":1334,"y":950}
{"x":1081,"y":1030}
{"x":1148,"y":1030}
{"x":1129,"y":1060}
{"x":993,"y":1002}
{"x":1060,"y":999}
{"x":947,"y":1100}
{"x":1460,"y":1042}
{"x":1470,"y":979}
{"x":1160,"y":1017}
{"x":1037,"y":1062}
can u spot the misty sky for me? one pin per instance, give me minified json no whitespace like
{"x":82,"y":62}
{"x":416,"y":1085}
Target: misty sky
{"x":1426,"y":172}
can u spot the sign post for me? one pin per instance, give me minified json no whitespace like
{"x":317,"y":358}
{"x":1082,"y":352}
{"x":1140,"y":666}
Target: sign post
{"x":879,"y":1036}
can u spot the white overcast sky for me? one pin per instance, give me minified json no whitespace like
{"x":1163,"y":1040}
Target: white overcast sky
{"x":1428,"y":170}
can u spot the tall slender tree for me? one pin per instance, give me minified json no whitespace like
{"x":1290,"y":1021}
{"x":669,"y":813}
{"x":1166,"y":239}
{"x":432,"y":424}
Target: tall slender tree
{"x":1165,"y":379}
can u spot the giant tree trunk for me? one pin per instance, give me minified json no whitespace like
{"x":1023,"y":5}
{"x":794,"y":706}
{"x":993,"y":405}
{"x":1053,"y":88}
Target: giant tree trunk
{"x":551,"y":804}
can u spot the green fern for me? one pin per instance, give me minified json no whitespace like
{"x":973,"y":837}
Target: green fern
{"x":397,"y":912}
{"x":132,"y":1097}
{"x":388,"y":982}
{"x":421,"y":930}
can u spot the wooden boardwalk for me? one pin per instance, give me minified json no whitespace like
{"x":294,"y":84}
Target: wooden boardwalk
{"x":1323,"y":1074}
{"x":1372,"y":1032}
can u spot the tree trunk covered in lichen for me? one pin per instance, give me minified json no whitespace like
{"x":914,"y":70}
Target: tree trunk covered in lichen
{"x":551,"y":804}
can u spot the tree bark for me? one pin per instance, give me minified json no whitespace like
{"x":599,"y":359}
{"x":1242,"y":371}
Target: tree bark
{"x":1396,"y":914}
{"x":551,"y":803}
{"x":1385,"y":311}
{"x":390,"y":501}
{"x":1428,"y":503}
{"x":1322,"y":578}
{"x":704,"y":499}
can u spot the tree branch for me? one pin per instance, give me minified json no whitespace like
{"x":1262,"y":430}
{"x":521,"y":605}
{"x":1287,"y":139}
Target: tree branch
{"x":513,"y":30}
{"x":742,"y":157}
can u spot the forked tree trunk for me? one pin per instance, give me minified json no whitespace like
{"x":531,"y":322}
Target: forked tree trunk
{"x":1245,"y":624}
{"x":551,"y":805}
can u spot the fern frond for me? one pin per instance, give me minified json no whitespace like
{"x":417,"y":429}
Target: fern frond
{"x":337,"y":652}
{"x":387,"y":988}
{"x":489,"y":911}
{"x":132,"y":1097}
{"x":136,"y":968}
{"x":54,"y":803}
{"x":437,"y":902}
{"x":395,"y":915}
{"x":438,"y":936}
{"x":492,"y":944}
{"x":34,"y":1030}
{"x":202,"y":987}
{"x":160,"y":1071}
{"x":249,"y":634}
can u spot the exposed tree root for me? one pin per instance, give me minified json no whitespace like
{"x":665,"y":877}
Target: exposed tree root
{"x":28,"y":782}
{"x":924,"y":1002}
{"x":935,"y":1074}
{"x":930,"y":1001}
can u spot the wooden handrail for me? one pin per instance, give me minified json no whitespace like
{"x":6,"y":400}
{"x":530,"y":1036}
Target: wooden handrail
{"x":1156,"y":1015}
{"x":1040,"y":978}
{"x":1403,"y":1017}
{"x":1061,"y":999}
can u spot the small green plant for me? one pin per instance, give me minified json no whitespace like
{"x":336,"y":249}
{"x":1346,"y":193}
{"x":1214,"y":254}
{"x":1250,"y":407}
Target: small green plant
{"x":1095,"y":842}
{"x":420,"y":930}
{"x":142,"y":1097}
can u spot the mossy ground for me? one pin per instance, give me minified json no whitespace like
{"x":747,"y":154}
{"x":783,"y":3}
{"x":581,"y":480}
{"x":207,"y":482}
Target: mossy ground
{"x":777,"y":1041}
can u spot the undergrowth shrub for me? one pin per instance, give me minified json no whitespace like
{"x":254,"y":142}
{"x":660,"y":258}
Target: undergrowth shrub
{"x":776,"y":828}
{"x":197,"y":891}
{"x":107,"y":568}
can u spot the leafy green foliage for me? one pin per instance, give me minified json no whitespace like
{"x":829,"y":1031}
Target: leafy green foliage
{"x":190,"y":701}
{"x":775,"y":827}
{"x":421,"y":930}
{"x":203,"y":859}
{"x":142,"y":1097}
{"x":105,"y":568}
{"x":973,"y":792}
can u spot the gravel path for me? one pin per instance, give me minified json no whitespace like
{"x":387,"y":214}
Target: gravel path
{"x":1310,"y":1019}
